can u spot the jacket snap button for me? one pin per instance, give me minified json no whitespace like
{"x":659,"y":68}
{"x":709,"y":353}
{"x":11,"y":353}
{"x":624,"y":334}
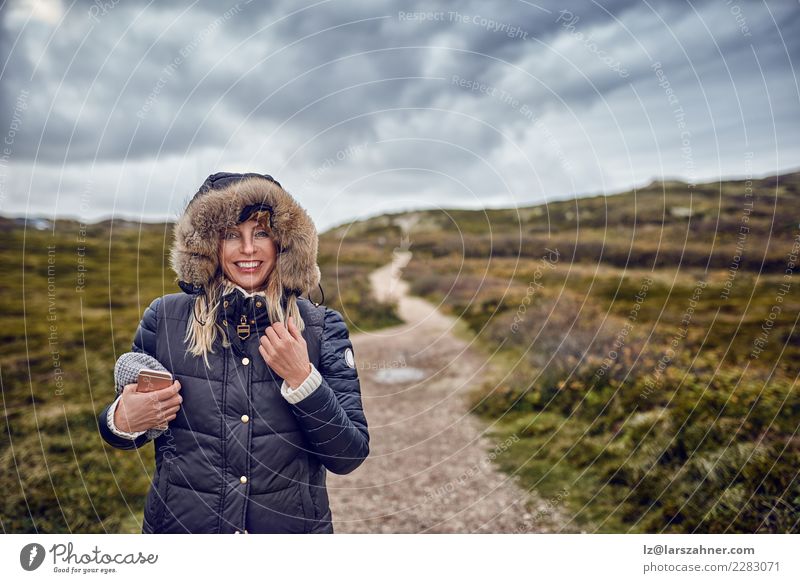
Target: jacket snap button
{"x":236,"y":532}
{"x":245,"y":418}
{"x":243,"y":479}
{"x":224,"y":322}
{"x":245,"y":361}
{"x":226,"y":305}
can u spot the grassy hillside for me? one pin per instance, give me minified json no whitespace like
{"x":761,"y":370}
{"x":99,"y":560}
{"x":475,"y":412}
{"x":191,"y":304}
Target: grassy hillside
{"x":641,"y":346}
{"x":644,"y":347}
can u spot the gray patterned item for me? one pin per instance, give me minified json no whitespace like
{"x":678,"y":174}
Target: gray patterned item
{"x":126,"y":372}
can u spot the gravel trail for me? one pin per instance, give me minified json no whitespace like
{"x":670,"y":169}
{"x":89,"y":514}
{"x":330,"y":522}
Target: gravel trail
{"x":429,"y":468}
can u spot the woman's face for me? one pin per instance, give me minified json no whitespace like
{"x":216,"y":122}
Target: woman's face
{"x":247,"y":255}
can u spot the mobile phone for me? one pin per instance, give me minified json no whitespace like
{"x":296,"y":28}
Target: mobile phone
{"x":153,"y":380}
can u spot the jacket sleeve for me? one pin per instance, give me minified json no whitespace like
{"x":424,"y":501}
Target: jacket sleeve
{"x":331,"y":416}
{"x":143,"y":341}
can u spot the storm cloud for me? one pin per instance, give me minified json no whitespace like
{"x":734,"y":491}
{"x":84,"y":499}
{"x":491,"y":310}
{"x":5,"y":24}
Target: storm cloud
{"x":122,"y":108}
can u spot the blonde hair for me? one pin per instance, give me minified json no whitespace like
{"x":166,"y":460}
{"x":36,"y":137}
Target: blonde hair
{"x":203,"y":328}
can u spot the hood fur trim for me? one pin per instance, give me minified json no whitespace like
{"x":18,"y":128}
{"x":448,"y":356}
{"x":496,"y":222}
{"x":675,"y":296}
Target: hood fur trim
{"x":196,"y":235}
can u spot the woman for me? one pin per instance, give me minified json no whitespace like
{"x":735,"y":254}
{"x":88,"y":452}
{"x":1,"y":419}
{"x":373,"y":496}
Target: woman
{"x":266,"y":395}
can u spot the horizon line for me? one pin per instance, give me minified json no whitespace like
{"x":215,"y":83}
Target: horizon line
{"x":651,"y":181}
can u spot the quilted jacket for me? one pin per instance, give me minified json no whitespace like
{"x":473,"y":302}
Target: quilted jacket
{"x":240,"y":458}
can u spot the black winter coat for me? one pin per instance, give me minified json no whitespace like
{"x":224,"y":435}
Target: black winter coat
{"x":239,"y":458}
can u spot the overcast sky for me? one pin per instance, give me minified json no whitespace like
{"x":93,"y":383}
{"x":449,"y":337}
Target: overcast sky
{"x":123,"y":108}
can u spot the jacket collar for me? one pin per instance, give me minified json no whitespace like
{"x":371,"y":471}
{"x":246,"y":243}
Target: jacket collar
{"x":231,"y":287}
{"x":243,"y":315}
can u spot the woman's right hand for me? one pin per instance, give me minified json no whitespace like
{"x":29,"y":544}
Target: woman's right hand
{"x":141,"y":411}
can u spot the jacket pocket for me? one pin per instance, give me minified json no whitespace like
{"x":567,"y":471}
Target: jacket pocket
{"x":163,"y":491}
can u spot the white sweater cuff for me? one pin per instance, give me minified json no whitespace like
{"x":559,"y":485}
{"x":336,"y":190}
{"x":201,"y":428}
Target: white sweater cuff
{"x":308,"y":386}
{"x":113,"y":428}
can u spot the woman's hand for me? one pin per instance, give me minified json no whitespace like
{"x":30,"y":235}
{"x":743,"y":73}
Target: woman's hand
{"x":284,"y":350}
{"x":141,"y":411}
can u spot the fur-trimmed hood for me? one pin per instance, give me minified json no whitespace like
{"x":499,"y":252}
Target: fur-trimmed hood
{"x":217,"y":206}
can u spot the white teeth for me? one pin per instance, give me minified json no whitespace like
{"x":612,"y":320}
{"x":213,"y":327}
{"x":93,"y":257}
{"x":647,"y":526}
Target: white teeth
{"x":247,"y":264}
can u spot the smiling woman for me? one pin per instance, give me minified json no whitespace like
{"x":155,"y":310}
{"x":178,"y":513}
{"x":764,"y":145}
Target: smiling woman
{"x":270,"y":396}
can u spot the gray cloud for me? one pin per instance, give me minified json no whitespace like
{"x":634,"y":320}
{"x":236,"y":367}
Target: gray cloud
{"x":386,"y":110}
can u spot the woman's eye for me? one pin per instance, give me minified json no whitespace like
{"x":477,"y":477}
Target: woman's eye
{"x":262,"y":234}
{"x":231,"y":235}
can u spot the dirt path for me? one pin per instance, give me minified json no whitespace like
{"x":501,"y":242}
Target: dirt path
{"x":429,"y":468}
